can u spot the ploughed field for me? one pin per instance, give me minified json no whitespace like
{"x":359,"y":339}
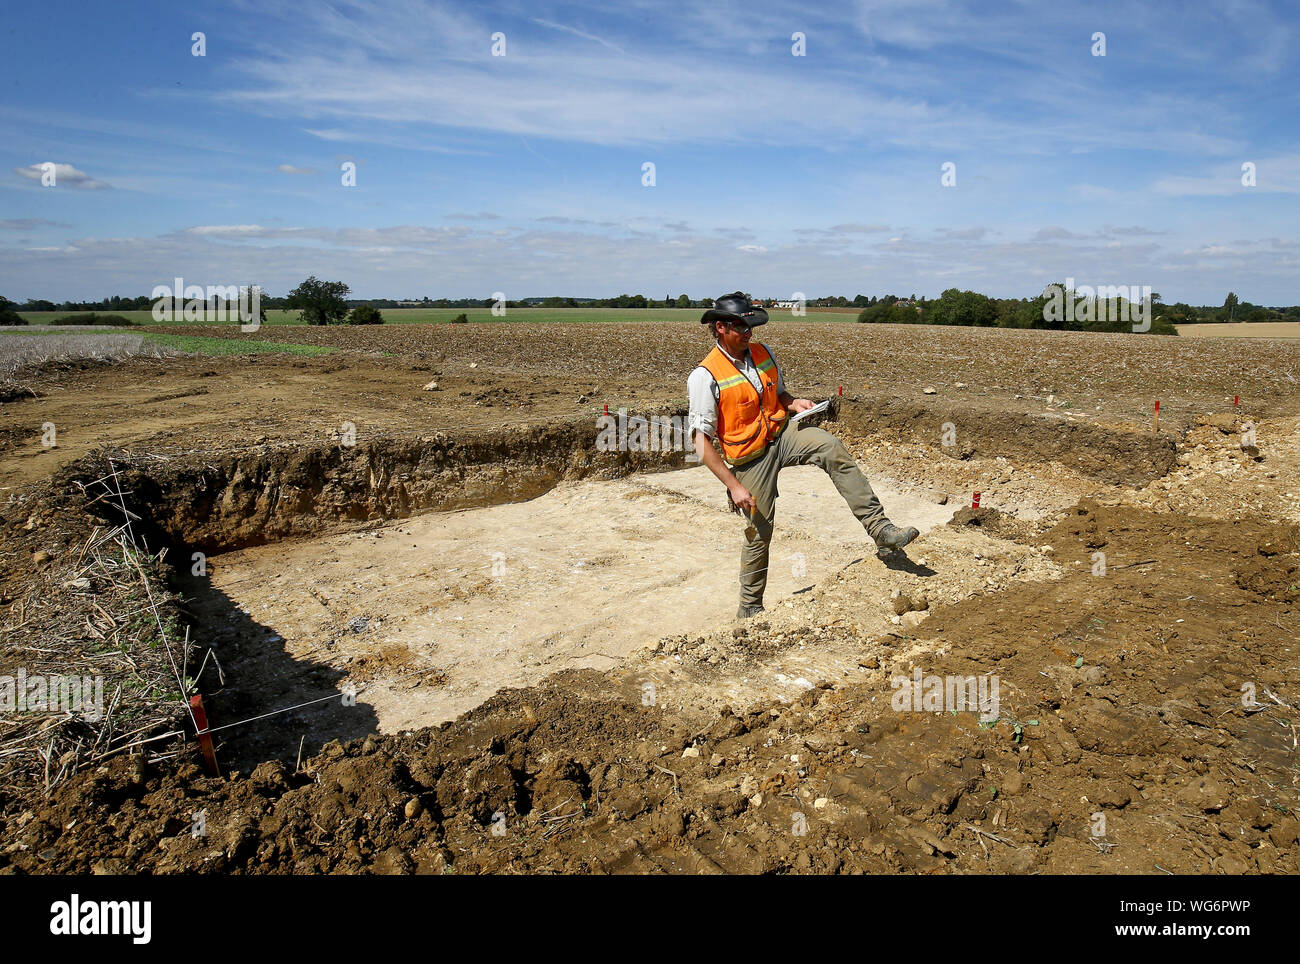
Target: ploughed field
{"x":438,"y":629}
{"x":525,"y":373}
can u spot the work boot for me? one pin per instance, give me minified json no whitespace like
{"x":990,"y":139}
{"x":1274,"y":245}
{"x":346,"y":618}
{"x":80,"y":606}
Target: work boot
{"x":892,"y":538}
{"x":746,"y":611}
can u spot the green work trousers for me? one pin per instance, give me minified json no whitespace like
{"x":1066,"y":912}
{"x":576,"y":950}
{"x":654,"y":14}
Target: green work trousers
{"x":797,"y":446}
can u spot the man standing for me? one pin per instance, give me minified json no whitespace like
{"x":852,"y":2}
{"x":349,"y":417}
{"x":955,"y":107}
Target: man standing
{"x":738,"y":395}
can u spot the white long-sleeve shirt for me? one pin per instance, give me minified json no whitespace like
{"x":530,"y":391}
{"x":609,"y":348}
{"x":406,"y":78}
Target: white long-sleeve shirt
{"x":704,"y":390}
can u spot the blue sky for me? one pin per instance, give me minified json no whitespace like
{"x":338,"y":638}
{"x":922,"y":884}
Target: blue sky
{"x":774,"y":173}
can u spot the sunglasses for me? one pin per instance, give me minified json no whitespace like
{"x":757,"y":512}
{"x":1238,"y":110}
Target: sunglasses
{"x":739,"y":326}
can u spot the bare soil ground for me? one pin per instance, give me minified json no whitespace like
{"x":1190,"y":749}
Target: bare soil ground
{"x":501,"y":375}
{"x":643,"y":729}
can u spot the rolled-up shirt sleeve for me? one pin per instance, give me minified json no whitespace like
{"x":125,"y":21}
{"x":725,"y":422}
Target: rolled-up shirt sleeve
{"x":704,"y":403}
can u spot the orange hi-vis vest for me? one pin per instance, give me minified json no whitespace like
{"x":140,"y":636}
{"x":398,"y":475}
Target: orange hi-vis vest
{"x":747,"y":421}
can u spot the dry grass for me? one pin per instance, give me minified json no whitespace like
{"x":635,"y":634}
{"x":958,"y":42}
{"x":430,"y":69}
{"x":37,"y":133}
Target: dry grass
{"x":99,"y":612}
{"x":24,"y":356}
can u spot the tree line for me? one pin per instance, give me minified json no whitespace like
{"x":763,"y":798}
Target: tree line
{"x":1058,"y":308}
{"x":1092,"y":313}
{"x":327,"y":302}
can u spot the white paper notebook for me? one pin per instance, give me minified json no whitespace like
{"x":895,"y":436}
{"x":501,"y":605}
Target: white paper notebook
{"x":819,"y":407}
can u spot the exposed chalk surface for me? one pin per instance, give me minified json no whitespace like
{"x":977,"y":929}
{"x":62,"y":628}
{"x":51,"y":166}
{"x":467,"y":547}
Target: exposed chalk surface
{"x":457,"y":605}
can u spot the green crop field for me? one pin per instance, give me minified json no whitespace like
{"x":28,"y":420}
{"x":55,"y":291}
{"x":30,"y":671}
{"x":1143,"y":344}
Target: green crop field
{"x":429,"y":316}
{"x":190,"y":344}
{"x":198,"y":345}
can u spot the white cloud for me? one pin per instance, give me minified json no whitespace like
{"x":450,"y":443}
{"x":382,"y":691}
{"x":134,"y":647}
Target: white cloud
{"x":572,"y":84}
{"x":1056,"y":233}
{"x":332,"y":134}
{"x":579,"y":33}
{"x":227,"y":230}
{"x":394,"y":261}
{"x":65,"y":175}
{"x":859,"y":228}
{"x":975,"y":233}
{"x":1272,"y":175}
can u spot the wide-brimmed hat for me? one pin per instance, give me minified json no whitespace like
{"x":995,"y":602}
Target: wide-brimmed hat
{"x":735,"y":307}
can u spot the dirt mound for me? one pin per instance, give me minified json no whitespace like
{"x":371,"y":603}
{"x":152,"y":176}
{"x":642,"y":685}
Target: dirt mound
{"x":1110,"y":454}
{"x":382,"y":804}
{"x":993,"y":521}
{"x":1272,"y":578}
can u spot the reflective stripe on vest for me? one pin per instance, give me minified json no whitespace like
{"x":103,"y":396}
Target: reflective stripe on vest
{"x":747,"y":422}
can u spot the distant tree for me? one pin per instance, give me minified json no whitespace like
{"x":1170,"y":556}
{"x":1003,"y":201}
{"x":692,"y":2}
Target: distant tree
{"x":365,"y":315}
{"x":320,"y":302}
{"x":460,"y":319}
{"x":1230,"y":305}
{"x":683,"y":301}
{"x":887,"y":312}
{"x":1020,"y":312}
{"x":261,"y":303}
{"x":8,"y":316}
{"x":955,"y":307}
{"x":1181,"y":313}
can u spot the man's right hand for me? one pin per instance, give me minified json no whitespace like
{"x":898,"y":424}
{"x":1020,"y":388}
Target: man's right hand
{"x":710,"y":457}
{"x":740,"y":495}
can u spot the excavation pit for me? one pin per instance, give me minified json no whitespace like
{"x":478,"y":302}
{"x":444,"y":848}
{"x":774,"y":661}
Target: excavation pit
{"x":402,"y":582}
{"x":427,"y":617}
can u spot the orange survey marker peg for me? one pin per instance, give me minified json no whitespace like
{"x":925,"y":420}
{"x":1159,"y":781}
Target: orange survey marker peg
{"x":205,"y":736}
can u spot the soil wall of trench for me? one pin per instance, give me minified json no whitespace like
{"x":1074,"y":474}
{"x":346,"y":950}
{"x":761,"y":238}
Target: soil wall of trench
{"x":266,"y":494}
